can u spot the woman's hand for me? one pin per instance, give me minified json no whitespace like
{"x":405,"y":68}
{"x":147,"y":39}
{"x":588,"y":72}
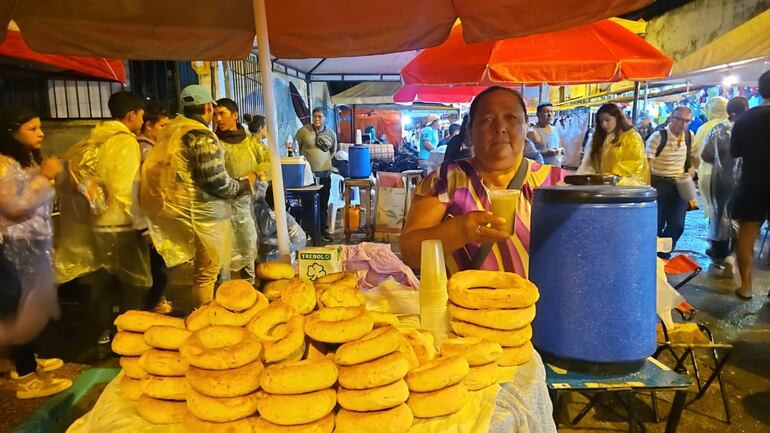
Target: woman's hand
{"x":473,"y":228}
{"x":50,"y":168}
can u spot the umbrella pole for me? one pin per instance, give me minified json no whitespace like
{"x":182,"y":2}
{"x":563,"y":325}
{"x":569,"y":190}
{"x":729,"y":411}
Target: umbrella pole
{"x":268,"y":93}
{"x":635,"y":106}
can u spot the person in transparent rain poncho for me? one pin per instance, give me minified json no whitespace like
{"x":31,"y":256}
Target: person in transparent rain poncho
{"x":725,"y":171}
{"x":27,"y":293}
{"x":100,"y":241}
{"x":186,"y":194}
{"x":243,"y":154}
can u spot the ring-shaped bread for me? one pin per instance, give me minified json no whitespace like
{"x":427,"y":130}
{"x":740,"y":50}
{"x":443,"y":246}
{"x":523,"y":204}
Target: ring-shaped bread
{"x":236,"y":295}
{"x":480,"y":290}
{"x":221,"y":348}
{"x":508,"y":319}
{"x":437,"y":374}
{"x":475,"y":350}
{"x":512,"y":338}
{"x":226,"y":383}
{"x":376,"y":344}
{"x":299,"y":377}
{"x":338,"y":325}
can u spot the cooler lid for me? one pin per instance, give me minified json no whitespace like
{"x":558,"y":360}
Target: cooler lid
{"x":292,"y":160}
{"x":596,"y":194}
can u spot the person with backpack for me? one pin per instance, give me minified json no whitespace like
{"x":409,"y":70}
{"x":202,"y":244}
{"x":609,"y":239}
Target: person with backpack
{"x":671,"y":154}
{"x":100,"y":218}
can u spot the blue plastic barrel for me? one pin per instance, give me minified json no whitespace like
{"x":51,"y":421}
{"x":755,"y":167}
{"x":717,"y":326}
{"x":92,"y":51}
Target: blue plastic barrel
{"x":293,"y":170}
{"x":593,"y":257}
{"x":359,"y":162}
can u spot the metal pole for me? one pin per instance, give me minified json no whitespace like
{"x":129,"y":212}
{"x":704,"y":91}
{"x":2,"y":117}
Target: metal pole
{"x":268,"y":93}
{"x":646,"y":94}
{"x":635,"y":106}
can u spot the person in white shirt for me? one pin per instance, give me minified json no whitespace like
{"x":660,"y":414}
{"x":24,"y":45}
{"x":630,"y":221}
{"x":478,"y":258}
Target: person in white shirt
{"x":546,"y":137}
{"x":671,"y":154}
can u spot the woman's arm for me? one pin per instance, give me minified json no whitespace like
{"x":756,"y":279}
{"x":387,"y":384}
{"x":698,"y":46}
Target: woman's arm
{"x":425,"y":222}
{"x":19,"y":203}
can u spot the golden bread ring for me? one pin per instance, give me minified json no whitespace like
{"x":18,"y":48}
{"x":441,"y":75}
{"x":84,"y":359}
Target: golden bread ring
{"x":139,"y":321}
{"x":513,"y":356}
{"x":381,"y":371}
{"x":198,"y":319}
{"x":282,"y":348}
{"x":193,"y":424}
{"x":297,"y":409}
{"x":163,"y":363}
{"x":376,"y":344}
{"x":166,"y":388}
{"x":294,"y":357}
{"x":438,"y":403}
{"x":264,"y":324}
{"x":275,"y":271}
{"x":226,"y":383}
{"x":410,"y":355}
{"x":491,"y":289}
{"x":341,"y":296}
{"x":512,"y":338}
{"x":509,"y":319}
{"x":437,"y":374}
{"x":338,"y":279}
{"x":126,"y":343}
{"x":384,"y":319}
{"x":221,"y":348}
{"x":396,"y":420}
{"x":158,"y":411}
{"x":165,"y":337}
{"x":482,"y":376}
{"x":236,"y":295}
{"x":323,"y":425}
{"x":218,"y":315}
{"x":421,"y":341}
{"x":300,"y":295}
{"x":131,"y":368}
{"x":273,"y":289}
{"x":338,"y":325}
{"x":380,"y":398}
{"x":299,"y":377}
{"x":131,"y":388}
{"x":475,"y":350}
{"x":225,"y":409}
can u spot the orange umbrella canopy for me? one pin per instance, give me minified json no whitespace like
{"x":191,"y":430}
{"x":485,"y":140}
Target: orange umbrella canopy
{"x":224,"y":29}
{"x":596,"y":53}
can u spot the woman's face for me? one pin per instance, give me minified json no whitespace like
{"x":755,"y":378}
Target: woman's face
{"x":153,"y":129}
{"x":607,"y":122}
{"x":497,"y":131}
{"x":30,"y":134}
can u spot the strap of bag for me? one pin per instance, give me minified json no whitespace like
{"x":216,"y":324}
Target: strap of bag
{"x":516,"y":183}
{"x":662,"y":144}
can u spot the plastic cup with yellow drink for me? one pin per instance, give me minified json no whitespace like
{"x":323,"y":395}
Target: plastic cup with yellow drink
{"x":504,"y":202}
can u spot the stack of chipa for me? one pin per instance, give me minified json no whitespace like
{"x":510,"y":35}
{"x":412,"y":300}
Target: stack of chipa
{"x":481,"y":356}
{"x":372,"y":391}
{"x":497,"y":307}
{"x":436,"y":387}
{"x":274,"y":276}
{"x":225,"y":361}
{"x":153,"y":368}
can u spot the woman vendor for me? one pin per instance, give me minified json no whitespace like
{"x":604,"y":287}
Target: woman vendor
{"x":452,"y":203}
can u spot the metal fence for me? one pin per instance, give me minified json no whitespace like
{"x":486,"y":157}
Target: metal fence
{"x":245,"y":84}
{"x":75,"y":99}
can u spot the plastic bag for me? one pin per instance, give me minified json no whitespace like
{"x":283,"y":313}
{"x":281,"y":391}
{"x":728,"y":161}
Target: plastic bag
{"x":268,"y":239}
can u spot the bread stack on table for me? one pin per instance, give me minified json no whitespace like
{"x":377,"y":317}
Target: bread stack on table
{"x":153,"y":368}
{"x":497,"y":307}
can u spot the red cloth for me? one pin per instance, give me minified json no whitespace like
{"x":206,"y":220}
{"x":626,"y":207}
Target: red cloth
{"x":15,"y":47}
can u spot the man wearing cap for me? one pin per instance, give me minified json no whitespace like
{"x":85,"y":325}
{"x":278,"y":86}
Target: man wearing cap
{"x":243,"y":155}
{"x":429,"y":139}
{"x":317,"y":144}
{"x":186,"y":193}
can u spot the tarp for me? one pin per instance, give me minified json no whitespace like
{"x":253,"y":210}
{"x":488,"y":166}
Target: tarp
{"x":176,"y":29}
{"x":742,"y":52}
{"x":595,"y":53}
{"x":368,"y":93}
{"x":15,"y":50}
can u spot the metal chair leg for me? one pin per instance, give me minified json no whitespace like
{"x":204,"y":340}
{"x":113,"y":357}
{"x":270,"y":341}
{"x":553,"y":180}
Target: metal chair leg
{"x":591,"y":403}
{"x":655,"y":412}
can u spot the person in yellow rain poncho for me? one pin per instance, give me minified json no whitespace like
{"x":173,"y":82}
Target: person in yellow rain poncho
{"x":243,"y":155}
{"x":616,"y":148}
{"x":716,"y":112}
{"x":100,"y":215}
{"x":186,"y":193}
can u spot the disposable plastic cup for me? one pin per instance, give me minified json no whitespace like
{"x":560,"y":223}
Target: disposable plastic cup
{"x":504,"y":202}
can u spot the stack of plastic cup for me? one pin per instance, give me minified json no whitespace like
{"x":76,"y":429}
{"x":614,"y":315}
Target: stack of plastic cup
{"x":433,"y":291}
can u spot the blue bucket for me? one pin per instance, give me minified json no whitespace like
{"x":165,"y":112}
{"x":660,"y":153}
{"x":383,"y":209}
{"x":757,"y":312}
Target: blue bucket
{"x":359,"y":162}
{"x":593,"y":257}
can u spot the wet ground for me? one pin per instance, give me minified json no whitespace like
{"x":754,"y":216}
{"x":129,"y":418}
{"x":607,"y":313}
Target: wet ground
{"x":746,"y":325}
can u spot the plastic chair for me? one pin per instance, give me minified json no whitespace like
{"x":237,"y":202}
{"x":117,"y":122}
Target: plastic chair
{"x":337,"y":201}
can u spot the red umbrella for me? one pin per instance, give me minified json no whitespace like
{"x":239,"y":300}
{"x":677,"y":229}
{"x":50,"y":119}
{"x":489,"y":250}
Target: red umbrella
{"x":596,"y":53}
{"x":437,"y":94}
{"x":16,"y":51}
